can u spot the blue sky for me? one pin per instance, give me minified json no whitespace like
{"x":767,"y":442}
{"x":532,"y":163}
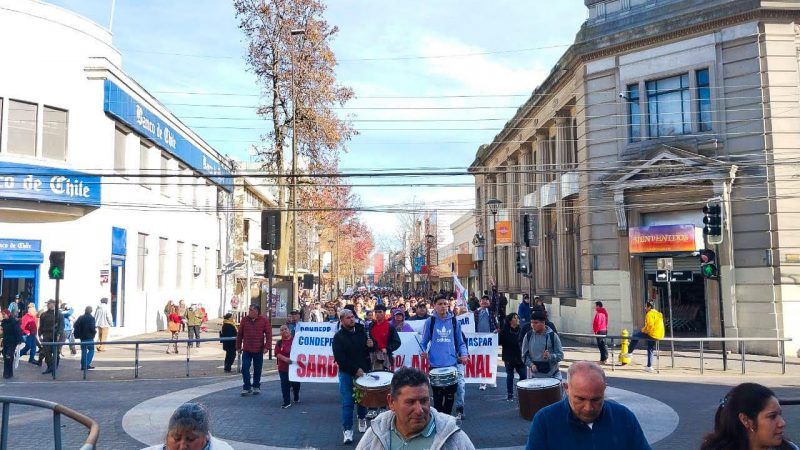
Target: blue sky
{"x":411,"y":48}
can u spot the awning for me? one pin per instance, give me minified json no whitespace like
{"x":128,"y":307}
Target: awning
{"x":20,"y":257}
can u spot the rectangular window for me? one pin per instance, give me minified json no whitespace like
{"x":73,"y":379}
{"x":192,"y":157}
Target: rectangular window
{"x":179,"y":266}
{"x":54,"y":139}
{"x":668,"y":100}
{"x":22,"y":128}
{"x":634,"y":113}
{"x":144,"y":165}
{"x":703,"y":100}
{"x":119,"y":149}
{"x":183,"y":188}
{"x":219,"y":264}
{"x":164,"y":168}
{"x":162,"y":262}
{"x":209,"y":275}
{"x":141,"y":260}
{"x":195,"y":264}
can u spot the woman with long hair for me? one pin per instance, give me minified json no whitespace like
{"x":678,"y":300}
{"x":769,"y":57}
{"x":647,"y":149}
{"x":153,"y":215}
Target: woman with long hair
{"x":174,"y":326}
{"x":749,"y":417}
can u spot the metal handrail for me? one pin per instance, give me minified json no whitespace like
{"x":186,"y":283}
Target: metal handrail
{"x":700,"y":340}
{"x":58,"y":410}
{"x":137,"y":343}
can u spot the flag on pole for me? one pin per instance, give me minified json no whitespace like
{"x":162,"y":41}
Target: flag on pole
{"x":460,"y":293}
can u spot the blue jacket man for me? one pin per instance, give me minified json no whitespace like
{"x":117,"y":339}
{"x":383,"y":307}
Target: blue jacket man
{"x":585,"y":419}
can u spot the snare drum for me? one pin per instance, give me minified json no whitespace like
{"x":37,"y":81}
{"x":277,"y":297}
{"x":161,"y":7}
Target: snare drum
{"x":443,"y":376}
{"x":374,"y":388}
{"x":536,"y":393}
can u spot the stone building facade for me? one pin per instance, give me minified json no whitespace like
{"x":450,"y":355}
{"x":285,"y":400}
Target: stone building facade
{"x":657,"y":107}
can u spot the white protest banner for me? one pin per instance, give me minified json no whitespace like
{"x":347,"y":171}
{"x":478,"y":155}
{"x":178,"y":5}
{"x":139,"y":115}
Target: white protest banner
{"x":481,"y":363}
{"x":312,"y":358}
{"x":466,"y":320}
{"x":316,"y":327}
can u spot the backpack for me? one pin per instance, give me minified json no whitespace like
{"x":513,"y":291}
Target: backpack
{"x":455,"y":327}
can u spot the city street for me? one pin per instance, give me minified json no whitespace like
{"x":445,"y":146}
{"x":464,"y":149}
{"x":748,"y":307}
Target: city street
{"x":132,"y":413}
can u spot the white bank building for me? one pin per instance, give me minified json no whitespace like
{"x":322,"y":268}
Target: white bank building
{"x":93,"y":165}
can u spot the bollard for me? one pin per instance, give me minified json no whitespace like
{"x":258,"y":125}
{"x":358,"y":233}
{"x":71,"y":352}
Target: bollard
{"x":188,"y":346}
{"x":136,"y":362}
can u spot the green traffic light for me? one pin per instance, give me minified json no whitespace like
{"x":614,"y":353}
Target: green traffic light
{"x":709,"y":270}
{"x":55,"y":273}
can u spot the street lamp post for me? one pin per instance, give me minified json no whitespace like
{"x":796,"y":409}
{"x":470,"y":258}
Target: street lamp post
{"x":429,"y":241}
{"x":296,"y":32}
{"x":319,"y":266}
{"x":494,"y":206}
{"x":330,"y":271}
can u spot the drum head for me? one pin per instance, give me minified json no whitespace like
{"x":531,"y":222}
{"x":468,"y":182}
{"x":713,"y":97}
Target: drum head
{"x":441,"y":371}
{"x":375,"y":379}
{"x":538,"y":383}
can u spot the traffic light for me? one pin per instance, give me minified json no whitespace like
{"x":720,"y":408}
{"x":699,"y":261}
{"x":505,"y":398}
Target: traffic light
{"x":56,"y":271}
{"x":270,"y":229}
{"x":713,"y":222}
{"x":522,"y":261}
{"x":708,"y":264}
{"x":530,"y":230}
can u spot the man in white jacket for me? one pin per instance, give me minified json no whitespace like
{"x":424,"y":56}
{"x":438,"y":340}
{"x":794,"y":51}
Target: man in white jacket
{"x":103,"y":321}
{"x":411,"y":422}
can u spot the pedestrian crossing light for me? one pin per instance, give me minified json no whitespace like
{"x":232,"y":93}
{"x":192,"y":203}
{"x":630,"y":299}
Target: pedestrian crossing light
{"x":522,"y":261}
{"x":708,"y":264}
{"x":56,"y":271}
{"x":713,"y":221}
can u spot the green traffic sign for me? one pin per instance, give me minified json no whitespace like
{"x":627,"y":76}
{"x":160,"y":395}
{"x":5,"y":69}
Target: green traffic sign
{"x":709,"y":270}
{"x":55,"y":273}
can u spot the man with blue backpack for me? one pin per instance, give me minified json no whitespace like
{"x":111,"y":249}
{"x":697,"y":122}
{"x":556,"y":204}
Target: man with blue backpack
{"x":445,"y":347}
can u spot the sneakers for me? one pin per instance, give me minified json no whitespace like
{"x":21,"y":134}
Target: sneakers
{"x":460,"y":413}
{"x":625,"y":355}
{"x":510,"y":398}
{"x":649,"y":369}
{"x":372,"y":413}
{"x":256,"y":391}
{"x":483,"y":387}
{"x":348,"y":437}
{"x":246,"y":392}
{"x":286,"y":405}
{"x":362,"y":425}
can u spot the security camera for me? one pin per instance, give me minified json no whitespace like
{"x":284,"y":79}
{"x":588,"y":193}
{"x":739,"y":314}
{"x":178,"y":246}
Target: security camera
{"x":624,"y":96}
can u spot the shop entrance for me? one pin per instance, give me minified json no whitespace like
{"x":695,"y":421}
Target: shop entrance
{"x":689,"y":304}
{"x":18,"y":280}
{"x":117,"y":286}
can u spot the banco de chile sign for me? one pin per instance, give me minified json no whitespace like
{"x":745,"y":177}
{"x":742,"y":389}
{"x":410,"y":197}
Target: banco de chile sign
{"x":125,"y":108}
{"x":48,"y":184}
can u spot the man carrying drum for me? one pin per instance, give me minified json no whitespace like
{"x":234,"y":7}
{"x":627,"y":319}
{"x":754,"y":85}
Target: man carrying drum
{"x":444,"y":346}
{"x":541,"y":349}
{"x":351,"y":351}
{"x":386,"y":341}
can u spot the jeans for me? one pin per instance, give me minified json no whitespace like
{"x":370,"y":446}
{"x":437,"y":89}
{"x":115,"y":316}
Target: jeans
{"x":30,"y":345}
{"x":257,"y":361}
{"x":601,"y":345}
{"x":459,"y":401}
{"x":651,"y":345}
{"x":194,"y":329}
{"x":346,"y":394}
{"x":510,"y":368}
{"x":285,"y":387}
{"x":70,"y":337}
{"x":87,"y":353}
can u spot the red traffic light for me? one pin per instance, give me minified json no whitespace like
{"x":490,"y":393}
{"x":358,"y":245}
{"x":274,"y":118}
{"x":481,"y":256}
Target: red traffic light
{"x":707,"y":256}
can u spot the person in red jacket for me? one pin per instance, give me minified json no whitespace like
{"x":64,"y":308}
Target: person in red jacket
{"x":252,"y":341}
{"x":29,"y":331}
{"x":600,"y":326}
{"x":283,"y":353}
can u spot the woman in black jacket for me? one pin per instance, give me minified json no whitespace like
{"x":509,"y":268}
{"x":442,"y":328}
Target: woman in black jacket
{"x":12,"y":336}
{"x":510,"y":337}
{"x":229,"y":330}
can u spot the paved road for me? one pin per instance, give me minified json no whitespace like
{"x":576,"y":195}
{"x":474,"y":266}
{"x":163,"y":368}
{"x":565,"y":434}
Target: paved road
{"x":491,"y":422}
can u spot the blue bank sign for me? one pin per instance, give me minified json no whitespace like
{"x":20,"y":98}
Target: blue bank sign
{"x":121,"y":105}
{"x":48,"y":184}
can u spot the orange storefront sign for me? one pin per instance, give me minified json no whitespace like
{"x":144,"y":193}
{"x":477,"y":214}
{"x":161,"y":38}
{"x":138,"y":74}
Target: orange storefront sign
{"x":502,"y":232}
{"x":662,"y":239}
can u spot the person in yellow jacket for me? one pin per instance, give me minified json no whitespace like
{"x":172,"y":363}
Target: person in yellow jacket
{"x":653,"y":330}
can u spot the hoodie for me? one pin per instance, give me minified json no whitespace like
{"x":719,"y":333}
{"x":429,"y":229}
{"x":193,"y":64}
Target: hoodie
{"x":600,"y":322}
{"x":533,"y":346}
{"x":442,"y":352}
{"x":448,"y":435}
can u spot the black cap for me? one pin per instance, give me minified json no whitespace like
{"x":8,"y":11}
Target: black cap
{"x":295,"y":311}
